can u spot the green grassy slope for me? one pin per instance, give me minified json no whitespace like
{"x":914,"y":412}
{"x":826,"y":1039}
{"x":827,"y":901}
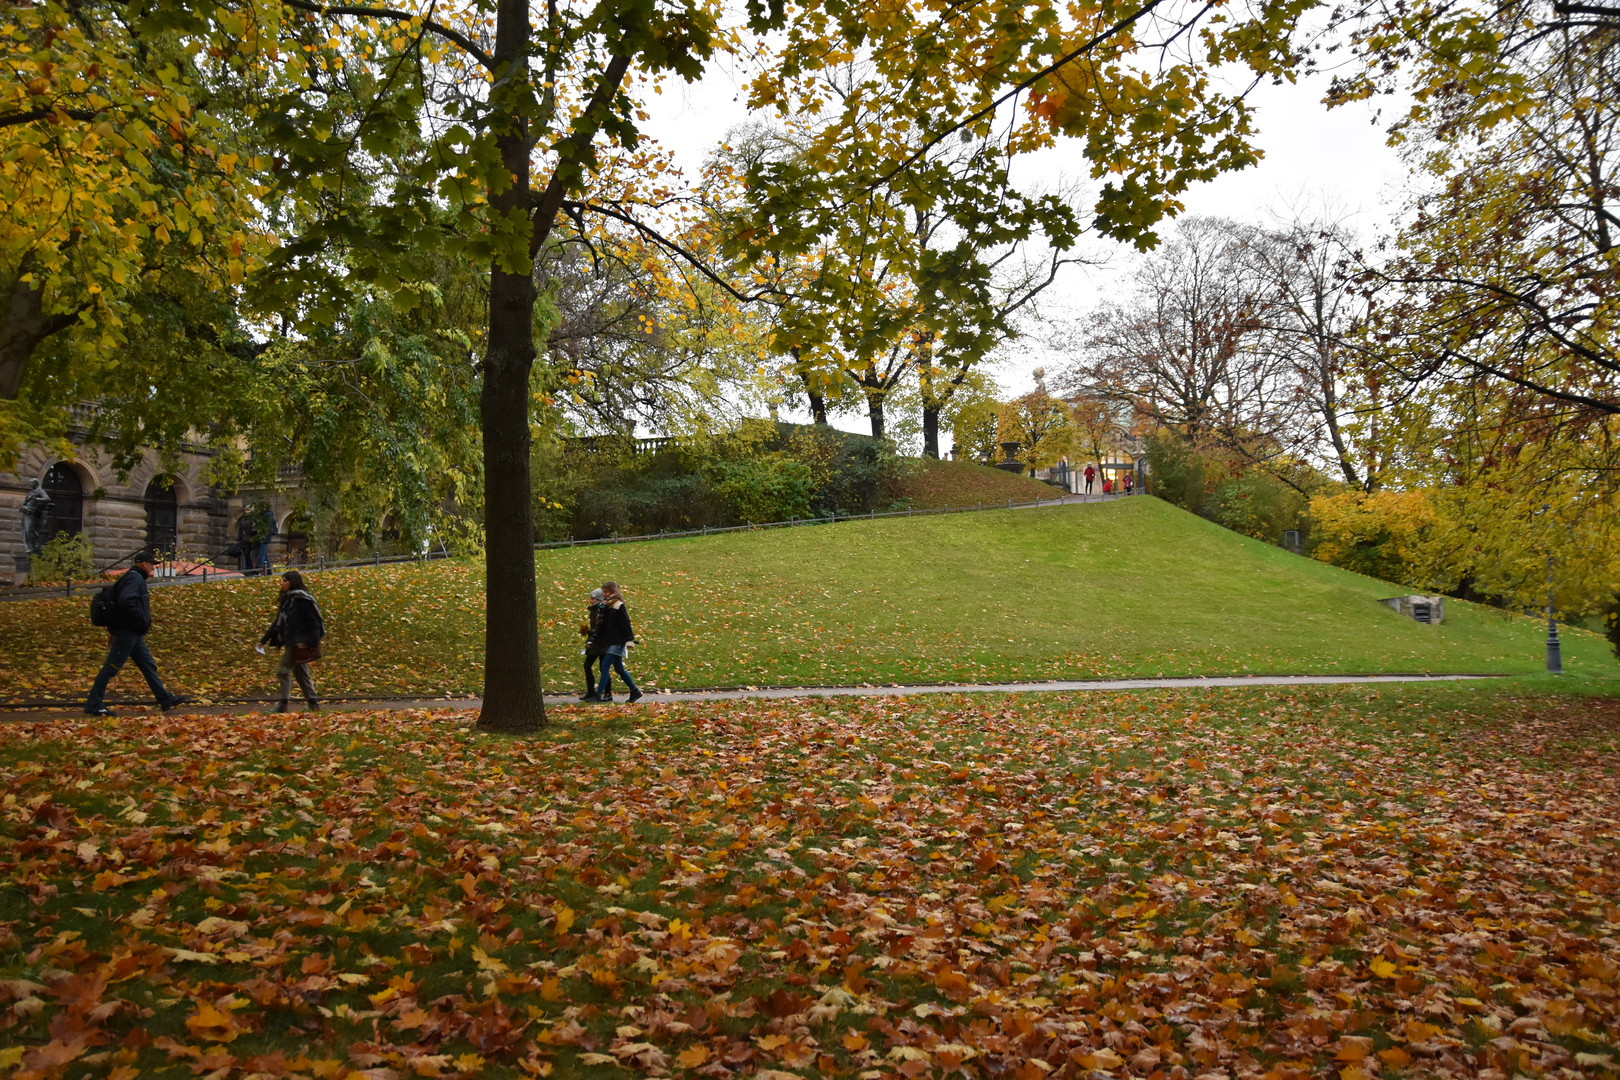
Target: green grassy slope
{"x":1134,"y":587}
{"x":931,"y":484}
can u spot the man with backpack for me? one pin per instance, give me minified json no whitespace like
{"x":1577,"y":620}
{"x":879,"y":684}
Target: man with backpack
{"x":125,"y":609}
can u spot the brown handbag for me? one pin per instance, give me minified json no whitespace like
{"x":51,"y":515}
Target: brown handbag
{"x":303,"y":652}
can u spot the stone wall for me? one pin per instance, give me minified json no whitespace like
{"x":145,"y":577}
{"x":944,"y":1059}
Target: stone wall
{"x":115,"y":509}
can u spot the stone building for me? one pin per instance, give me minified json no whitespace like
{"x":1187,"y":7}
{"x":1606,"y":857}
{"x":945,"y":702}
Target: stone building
{"x":175,"y":511}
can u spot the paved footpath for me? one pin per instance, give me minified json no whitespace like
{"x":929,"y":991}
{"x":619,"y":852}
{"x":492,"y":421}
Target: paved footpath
{"x":777,"y":693}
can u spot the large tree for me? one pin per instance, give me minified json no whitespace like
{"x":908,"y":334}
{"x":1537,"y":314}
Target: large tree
{"x":1509,"y":269}
{"x":127,"y":214}
{"x":480,"y":129}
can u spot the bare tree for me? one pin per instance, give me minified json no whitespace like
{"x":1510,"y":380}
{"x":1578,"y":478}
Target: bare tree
{"x":1188,"y":351}
{"x":1310,"y":324}
{"x":621,"y":352}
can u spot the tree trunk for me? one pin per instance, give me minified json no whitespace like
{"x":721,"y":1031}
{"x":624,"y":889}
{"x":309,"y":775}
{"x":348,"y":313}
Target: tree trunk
{"x":930,"y":431}
{"x":818,"y":403}
{"x":23,"y":325}
{"x":1330,"y":414}
{"x":874,"y":413}
{"x":512,"y":692}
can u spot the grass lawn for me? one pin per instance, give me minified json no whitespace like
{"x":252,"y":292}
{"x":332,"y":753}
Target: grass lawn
{"x":931,"y":484}
{"x":1133,"y":587}
{"x":1236,"y":884}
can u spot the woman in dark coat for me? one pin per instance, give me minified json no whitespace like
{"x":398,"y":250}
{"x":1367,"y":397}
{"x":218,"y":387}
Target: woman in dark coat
{"x":298,"y":622}
{"x":616,"y":637}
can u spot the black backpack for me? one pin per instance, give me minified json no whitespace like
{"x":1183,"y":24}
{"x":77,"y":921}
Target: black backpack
{"x":104,"y":604}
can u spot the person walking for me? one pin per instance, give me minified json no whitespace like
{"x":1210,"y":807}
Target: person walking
{"x":266,"y":532}
{"x":1091,"y":474}
{"x":247,"y":543}
{"x":1130,"y":482}
{"x":593,"y":649}
{"x":616,"y":638}
{"x":127,"y":627}
{"x":297,"y":631}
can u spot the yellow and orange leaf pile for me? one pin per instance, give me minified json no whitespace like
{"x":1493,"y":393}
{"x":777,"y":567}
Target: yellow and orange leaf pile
{"x":1218,"y":884}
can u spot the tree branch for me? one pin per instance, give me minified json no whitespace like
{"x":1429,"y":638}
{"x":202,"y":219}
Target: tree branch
{"x":465,"y":43}
{"x":667,"y":244}
{"x":13,"y":119}
{"x":569,"y":151}
{"x":1060,"y":62}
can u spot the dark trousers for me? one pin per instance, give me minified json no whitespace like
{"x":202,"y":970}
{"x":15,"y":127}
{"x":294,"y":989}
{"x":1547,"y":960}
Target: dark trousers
{"x":592,"y":661}
{"x":127,"y":645}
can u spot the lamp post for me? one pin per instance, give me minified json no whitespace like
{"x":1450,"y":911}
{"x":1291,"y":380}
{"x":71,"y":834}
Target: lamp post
{"x":1555,"y":654}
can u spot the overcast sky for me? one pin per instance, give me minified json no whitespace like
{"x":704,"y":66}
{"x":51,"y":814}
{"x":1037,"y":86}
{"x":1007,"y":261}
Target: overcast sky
{"x":1314,"y":159}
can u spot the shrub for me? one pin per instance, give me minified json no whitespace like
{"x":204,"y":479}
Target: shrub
{"x":759,"y":471}
{"x":774,"y":489}
{"x":1256,"y":505}
{"x":1177,"y":471}
{"x":1381,"y":534}
{"x":64,"y":557}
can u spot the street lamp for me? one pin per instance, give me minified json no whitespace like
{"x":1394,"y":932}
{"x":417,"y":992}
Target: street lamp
{"x":1555,"y":656}
{"x":1555,"y":652}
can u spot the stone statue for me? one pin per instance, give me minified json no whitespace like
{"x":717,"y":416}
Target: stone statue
{"x":36,"y":518}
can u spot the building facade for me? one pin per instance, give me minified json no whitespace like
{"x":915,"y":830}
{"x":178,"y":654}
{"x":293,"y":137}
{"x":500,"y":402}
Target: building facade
{"x":174,"y":510}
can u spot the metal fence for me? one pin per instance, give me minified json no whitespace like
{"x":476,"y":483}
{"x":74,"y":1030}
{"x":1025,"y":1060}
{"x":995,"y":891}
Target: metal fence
{"x":200,"y":575}
{"x":829,"y":520}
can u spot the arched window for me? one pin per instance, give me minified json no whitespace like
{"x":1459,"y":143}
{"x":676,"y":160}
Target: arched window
{"x":162,"y":515}
{"x":296,"y":531}
{"x":63,"y":485}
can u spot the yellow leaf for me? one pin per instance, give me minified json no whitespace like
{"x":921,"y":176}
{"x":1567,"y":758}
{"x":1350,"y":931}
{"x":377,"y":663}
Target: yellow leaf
{"x":565,"y":919}
{"x":1382,"y":968}
{"x":489,"y":963}
{"x":211,"y":1024}
{"x":692,"y":1056}
{"x":1353,"y":1048}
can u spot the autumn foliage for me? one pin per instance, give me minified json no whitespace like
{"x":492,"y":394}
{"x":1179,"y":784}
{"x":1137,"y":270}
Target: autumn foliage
{"x":1165,"y":885}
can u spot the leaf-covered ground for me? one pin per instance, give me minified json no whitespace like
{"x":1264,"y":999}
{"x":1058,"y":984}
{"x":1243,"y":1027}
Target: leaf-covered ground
{"x":1220,"y":884}
{"x":1133,"y":587}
